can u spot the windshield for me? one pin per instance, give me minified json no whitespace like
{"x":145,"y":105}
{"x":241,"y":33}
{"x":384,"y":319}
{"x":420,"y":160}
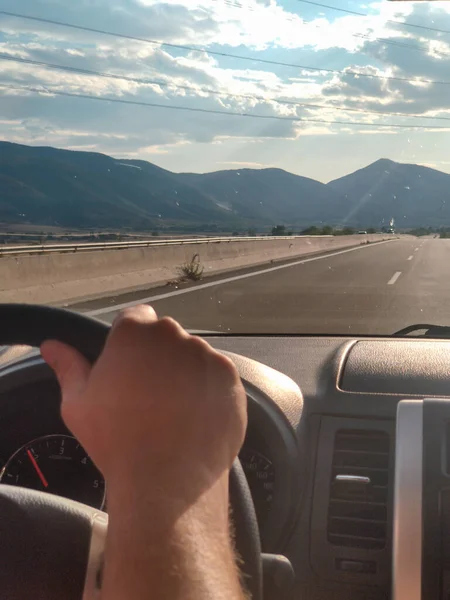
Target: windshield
{"x":273,"y":166}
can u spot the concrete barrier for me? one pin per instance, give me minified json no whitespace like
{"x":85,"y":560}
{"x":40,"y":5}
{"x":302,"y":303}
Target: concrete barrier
{"x":60,"y":278}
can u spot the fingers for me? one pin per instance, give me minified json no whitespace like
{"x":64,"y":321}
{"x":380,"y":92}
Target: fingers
{"x":71,"y":368}
{"x":139,"y":327}
{"x":141,"y":313}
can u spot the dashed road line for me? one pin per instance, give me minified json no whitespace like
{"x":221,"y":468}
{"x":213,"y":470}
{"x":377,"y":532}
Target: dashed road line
{"x":394,"y":278}
{"x":410,"y":257}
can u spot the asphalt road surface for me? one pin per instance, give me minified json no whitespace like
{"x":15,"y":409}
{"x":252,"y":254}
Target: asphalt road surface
{"x":374,"y":289}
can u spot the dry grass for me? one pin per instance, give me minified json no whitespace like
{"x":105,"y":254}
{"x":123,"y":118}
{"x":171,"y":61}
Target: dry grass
{"x":192,"y":270}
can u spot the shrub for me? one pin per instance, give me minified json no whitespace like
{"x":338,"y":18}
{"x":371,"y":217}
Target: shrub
{"x":193,"y":269}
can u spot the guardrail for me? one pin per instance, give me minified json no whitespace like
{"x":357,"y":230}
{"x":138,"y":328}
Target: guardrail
{"x":95,"y":246}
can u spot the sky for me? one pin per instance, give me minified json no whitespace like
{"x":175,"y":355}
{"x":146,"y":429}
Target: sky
{"x":205,"y":63}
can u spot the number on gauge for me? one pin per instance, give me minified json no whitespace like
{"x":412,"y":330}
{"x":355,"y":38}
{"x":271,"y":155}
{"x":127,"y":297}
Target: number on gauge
{"x":261,"y":480}
{"x":56,"y":464}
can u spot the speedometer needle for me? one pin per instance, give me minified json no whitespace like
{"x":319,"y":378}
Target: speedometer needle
{"x":37,"y":469}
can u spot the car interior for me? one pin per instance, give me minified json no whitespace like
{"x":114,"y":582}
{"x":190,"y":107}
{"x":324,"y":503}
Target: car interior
{"x":347,"y":458}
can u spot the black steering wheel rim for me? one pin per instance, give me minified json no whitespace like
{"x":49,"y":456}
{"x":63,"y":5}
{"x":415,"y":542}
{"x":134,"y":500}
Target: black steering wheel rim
{"x":31,"y":325}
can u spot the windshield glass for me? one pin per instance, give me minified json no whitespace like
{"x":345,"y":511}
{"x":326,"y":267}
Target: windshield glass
{"x":273,"y":166}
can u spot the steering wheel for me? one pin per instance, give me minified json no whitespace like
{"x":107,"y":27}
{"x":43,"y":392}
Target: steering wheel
{"x":52,"y":547}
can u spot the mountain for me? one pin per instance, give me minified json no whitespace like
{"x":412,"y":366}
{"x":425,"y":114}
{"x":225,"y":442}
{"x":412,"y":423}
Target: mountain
{"x":271,"y":195}
{"x":83,"y":189}
{"x":411,"y":194}
{"x":48,"y":186}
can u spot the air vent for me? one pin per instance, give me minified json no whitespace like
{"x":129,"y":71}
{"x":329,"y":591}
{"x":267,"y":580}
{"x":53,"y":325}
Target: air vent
{"x":357,"y":510}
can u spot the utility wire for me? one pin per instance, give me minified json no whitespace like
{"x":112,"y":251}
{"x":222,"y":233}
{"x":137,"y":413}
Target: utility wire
{"x":145,"y":81}
{"x":365,"y":36}
{"x":317,"y":70}
{"x":361,"y":14}
{"x":215,"y":112}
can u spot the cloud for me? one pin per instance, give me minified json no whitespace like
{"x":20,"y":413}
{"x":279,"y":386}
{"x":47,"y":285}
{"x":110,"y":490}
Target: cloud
{"x":243,"y":164}
{"x":253,"y":24}
{"x":264,"y":30}
{"x":408,"y":94}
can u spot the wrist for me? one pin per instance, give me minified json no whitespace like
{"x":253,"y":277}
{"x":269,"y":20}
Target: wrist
{"x":159,"y":487}
{"x":130,"y":498}
{"x":162,"y":539}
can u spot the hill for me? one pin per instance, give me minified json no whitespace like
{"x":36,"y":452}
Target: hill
{"x":83,"y":189}
{"x":411,"y":194}
{"x":271,"y":195}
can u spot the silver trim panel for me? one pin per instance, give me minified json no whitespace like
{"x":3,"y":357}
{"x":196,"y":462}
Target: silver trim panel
{"x":407,"y":526}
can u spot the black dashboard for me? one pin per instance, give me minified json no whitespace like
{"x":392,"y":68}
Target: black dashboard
{"x":322,"y":452}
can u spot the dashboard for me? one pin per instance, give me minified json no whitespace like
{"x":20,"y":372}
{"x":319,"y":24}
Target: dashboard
{"x":37,"y":451}
{"x":346,"y":438}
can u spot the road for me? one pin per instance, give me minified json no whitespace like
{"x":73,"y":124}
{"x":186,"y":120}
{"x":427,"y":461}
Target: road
{"x":374,"y":289}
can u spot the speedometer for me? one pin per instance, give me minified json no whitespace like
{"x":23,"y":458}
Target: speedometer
{"x":56,"y":464}
{"x":261,"y":480}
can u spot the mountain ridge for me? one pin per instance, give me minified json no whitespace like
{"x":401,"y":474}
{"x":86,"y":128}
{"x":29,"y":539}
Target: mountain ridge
{"x":76,"y":189}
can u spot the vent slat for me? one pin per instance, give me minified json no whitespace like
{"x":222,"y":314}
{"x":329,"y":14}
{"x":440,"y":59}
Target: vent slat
{"x":370,"y":452}
{"x":357,"y":512}
{"x":355,"y":458}
{"x":362,"y":502}
{"x":378,"y":477}
{"x":354,"y":541}
{"x":358,"y":520}
{"x":361,"y":442}
{"x":361,"y":468}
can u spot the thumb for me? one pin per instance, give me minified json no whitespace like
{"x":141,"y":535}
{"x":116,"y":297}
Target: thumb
{"x":71,"y":368}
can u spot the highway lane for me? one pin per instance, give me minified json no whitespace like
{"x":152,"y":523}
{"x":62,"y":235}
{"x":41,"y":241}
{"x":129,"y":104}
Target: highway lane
{"x":374,"y":289}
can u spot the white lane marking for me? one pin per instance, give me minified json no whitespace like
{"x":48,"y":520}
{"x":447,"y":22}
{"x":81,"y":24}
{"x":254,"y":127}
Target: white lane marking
{"x":195,"y":288}
{"x":394,"y":278}
{"x":410,"y":257}
{"x":415,"y":250}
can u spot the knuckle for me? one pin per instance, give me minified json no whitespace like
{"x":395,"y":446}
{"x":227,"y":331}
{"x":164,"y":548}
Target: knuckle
{"x":131,"y":322}
{"x":129,"y":312}
{"x":142,"y":313}
{"x":199,"y":345}
{"x":125,"y":323}
{"x":228,"y":365}
{"x":169,"y":327}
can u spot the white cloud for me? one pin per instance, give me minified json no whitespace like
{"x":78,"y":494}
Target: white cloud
{"x":267,"y":30}
{"x":253,"y":24}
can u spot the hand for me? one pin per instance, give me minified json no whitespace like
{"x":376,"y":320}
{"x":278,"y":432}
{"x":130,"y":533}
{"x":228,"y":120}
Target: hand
{"x":163,"y":416}
{"x":159,"y":404}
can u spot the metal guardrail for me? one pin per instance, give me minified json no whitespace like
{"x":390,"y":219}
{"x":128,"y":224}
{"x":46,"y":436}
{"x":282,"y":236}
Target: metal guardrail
{"x":95,"y":246}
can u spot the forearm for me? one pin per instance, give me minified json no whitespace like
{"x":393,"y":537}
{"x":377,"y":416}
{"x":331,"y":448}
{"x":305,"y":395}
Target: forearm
{"x":170,"y":554}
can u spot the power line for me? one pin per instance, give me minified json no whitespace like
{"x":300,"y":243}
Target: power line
{"x":400,"y":44}
{"x":355,"y":35}
{"x":318,"y":70}
{"x":217,"y":112}
{"x":361,"y":14}
{"x":145,"y":81}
